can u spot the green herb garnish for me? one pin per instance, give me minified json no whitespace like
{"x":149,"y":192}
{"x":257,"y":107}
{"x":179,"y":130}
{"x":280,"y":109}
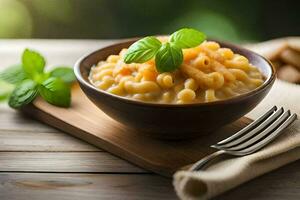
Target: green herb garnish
{"x":65,"y":73}
{"x":13,"y":75}
{"x":168,"y":56}
{"x":33,"y":63}
{"x":5,"y":90}
{"x":187,"y":38}
{"x":23,"y":94}
{"x":142,"y":50}
{"x":27,"y":80}
{"x":55,"y":91}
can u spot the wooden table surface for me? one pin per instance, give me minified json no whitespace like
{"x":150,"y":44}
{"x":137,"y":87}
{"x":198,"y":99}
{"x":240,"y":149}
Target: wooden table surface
{"x":40,"y":162}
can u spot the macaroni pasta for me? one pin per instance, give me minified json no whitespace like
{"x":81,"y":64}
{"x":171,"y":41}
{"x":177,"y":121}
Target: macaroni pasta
{"x":208,"y":73}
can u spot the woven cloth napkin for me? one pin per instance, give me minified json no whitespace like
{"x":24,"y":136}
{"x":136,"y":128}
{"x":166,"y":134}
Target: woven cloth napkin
{"x":229,"y":173}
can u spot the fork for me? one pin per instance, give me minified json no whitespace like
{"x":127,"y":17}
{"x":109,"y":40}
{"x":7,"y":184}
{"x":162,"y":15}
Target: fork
{"x":251,"y":138}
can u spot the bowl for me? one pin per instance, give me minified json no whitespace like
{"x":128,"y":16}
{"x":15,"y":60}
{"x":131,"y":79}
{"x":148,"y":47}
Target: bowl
{"x":172,"y":121}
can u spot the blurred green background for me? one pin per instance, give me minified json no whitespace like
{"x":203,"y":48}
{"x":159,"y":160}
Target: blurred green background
{"x":233,"y":20}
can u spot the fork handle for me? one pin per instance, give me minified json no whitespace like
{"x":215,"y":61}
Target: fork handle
{"x":204,"y":161}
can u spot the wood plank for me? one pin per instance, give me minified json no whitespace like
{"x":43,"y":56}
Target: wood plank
{"x":14,"y":120}
{"x":277,"y":185}
{"x":42,"y":141}
{"x":20,"y":186}
{"x":95,"y":162}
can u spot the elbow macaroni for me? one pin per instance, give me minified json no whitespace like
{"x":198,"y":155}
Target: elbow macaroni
{"x":208,"y":73}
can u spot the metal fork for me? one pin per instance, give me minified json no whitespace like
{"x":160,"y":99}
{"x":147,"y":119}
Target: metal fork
{"x":253,"y":137}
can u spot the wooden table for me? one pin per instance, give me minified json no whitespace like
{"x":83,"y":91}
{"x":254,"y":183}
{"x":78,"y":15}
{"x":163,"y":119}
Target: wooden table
{"x":40,"y":162}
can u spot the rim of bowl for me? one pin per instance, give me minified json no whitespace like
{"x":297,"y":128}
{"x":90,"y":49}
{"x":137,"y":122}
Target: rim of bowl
{"x":269,"y":80}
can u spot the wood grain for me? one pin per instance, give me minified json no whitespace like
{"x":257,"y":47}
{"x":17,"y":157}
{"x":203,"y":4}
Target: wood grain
{"x":61,"y":186}
{"x":11,"y":120}
{"x":85,"y":121}
{"x":277,"y":185}
{"x":96,"y":162}
{"x":16,"y":140}
{"x":20,"y":133}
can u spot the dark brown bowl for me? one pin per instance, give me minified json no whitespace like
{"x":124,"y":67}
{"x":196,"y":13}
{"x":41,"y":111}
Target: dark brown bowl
{"x":172,"y":121}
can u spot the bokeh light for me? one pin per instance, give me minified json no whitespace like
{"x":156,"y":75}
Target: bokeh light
{"x":15,"y":20}
{"x":231,"y":20}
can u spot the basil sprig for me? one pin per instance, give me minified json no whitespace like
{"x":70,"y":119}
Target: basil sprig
{"x":142,"y":50}
{"x":29,"y":80}
{"x":23,"y":94}
{"x":187,"y":38}
{"x":5,"y":90}
{"x":65,"y":73}
{"x":56,"y":91}
{"x":168,"y":56}
{"x":33,"y":63}
{"x":13,"y":75}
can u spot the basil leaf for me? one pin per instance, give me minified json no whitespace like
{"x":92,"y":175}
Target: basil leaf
{"x":187,"y":38}
{"x":168,"y":58}
{"x":142,"y":50}
{"x":65,"y":73}
{"x":13,"y":75}
{"x":23,"y":94}
{"x":40,"y":78}
{"x":56,"y":92}
{"x":5,"y":90}
{"x":33,"y":63}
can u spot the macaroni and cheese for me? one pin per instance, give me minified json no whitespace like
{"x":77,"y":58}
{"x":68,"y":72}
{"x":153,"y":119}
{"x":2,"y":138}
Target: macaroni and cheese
{"x":208,"y":73}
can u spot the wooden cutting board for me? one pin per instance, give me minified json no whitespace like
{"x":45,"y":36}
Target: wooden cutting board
{"x":87,"y":122}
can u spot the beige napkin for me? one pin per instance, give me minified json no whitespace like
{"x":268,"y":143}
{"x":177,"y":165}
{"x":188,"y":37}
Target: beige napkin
{"x":232,"y":172}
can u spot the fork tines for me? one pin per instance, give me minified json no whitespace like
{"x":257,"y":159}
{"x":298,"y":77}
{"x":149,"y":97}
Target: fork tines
{"x":257,"y":134}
